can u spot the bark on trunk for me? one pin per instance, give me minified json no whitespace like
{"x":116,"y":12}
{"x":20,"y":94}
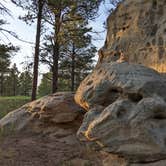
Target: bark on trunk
{"x":73,"y":69}
{"x":56,"y":46}
{"x":14,"y":85}
{"x":55,"y":68}
{"x":36,"y":56}
{"x":1,"y":91}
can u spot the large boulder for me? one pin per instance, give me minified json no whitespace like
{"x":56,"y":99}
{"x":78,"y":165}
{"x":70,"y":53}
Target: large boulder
{"x":112,"y":80}
{"x":126,"y":106}
{"x":45,"y":134}
{"x":51,"y":110}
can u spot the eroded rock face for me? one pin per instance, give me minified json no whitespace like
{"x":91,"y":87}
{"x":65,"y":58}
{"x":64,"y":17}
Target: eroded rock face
{"x":126,"y":106}
{"x":45,"y":134}
{"x":125,"y":101}
{"x":111,"y":81}
{"x":138,"y":28}
{"x":51,"y":110}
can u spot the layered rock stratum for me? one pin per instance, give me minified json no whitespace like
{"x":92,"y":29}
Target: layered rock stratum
{"x":43,"y":133}
{"x":138,"y":28}
{"x":125,"y":98}
{"x":126,"y":111}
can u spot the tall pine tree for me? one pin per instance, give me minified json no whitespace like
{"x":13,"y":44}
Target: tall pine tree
{"x":66,"y":13}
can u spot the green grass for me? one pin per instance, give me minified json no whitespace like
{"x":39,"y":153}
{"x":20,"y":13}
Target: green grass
{"x":8,"y":104}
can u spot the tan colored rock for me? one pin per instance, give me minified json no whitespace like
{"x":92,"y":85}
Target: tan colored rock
{"x":138,"y":28}
{"x":126,"y":106}
{"x":126,"y":102}
{"x":110,"y":81}
{"x":114,"y":160}
{"x":50,"y":110}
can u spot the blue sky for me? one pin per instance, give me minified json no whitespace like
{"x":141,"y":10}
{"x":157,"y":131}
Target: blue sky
{"x":27,"y":33}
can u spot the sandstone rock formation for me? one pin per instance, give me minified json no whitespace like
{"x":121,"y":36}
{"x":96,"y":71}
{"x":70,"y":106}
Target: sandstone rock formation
{"x":126,"y":106}
{"x":126,"y":101}
{"x":51,"y":110}
{"x":138,"y":28}
{"x":111,"y":81}
{"x":43,"y":133}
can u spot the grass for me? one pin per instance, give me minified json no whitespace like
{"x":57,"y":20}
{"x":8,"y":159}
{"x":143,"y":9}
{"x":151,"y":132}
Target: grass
{"x":8,"y":104}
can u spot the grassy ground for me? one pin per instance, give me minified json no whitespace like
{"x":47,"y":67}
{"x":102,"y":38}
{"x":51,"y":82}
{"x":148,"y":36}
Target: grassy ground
{"x":8,"y":104}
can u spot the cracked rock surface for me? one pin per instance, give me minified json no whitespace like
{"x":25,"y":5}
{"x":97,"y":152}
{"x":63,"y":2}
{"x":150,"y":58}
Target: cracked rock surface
{"x":126,"y":111}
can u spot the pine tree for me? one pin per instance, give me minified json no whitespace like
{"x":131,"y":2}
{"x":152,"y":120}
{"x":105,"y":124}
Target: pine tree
{"x":45,"y":85}
{"x":65,"y":13}
{"x":78,"y":52}
{"x":12,"y":82}
{"x":5,"y":54}
{"x":25,"y":83}
{"x":35,"y":10}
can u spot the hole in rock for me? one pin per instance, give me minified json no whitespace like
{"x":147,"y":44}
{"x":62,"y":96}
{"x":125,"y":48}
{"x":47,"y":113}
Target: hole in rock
{"x":115,"y":54}
{"x":159,"y":117}
{"x":135,"y":97}
{"x":124,"y":28}
{"x":154,"y":5}
{"x":165,"y":141}
{"x":121,"y":113}
{"x":89,"y":82}
{"x":111,"y":96}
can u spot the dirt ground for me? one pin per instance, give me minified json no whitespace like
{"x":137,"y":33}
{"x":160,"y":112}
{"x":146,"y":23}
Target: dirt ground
{"x":58,"y":148}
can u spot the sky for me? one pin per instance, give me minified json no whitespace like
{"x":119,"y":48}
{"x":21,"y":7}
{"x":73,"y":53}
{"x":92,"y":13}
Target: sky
{"x":27,"y":33}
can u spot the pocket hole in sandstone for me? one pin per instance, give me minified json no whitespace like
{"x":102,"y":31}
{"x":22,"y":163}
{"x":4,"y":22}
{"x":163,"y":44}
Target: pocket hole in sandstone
{"x":165,"y":30}
{"x":159,"y":117}
{"x":111,"y":96}
{"x":100,"y":71}
{"x":89,"y":82}
{"x":135,"y":97}
{"x":121,"y":113}
{"x":154,"y":5}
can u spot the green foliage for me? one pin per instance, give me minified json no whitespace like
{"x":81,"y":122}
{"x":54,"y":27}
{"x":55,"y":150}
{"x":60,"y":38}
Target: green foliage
{"x":14,"y":83}
{"x":8,"y":104}
{"x":11,"y":82}
{"x":70,"y":43}
{"x":5,"y":54}
{"x":45,"y":85}
{"x":25,"y":83}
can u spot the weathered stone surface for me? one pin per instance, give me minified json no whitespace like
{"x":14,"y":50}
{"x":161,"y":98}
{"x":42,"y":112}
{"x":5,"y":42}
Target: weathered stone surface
{"x":138,"y":28}
{"x":109,"y":81}
{"x":126,"y":106}
{"x":58,"y":108}
{"x":126,"y":102}
{"x":155,"y":163}
{"x":46,"y":134}
{"x":114,"y":160}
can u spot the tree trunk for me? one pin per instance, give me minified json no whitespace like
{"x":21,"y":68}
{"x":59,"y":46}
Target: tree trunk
{"x":55,"y":68}
{"x":56,"y":52}
{"x":1,"y":91}
{"x":73,"y":69}
{"x":37,"y":45}
{"x":14,"y":85}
